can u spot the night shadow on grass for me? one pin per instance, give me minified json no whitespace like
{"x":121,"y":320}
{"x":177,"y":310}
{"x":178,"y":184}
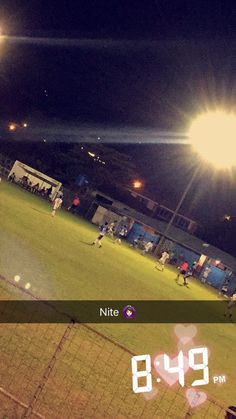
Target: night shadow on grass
{"x":178,"y":283}
{"x":159,"y":268}
{"x":88,"y":244}
{"x":41,"y":212}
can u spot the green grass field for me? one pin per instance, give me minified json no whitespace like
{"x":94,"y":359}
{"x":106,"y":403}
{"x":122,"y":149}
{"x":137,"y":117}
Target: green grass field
{"x":53,"y":255}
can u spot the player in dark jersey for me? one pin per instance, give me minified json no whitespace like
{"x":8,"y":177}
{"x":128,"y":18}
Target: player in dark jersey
{"x":122,"y":233}
{"x":182,"y":270}
{"x":189,"y":273}
{"x":102,"y":232}
{"x":230,"y":305}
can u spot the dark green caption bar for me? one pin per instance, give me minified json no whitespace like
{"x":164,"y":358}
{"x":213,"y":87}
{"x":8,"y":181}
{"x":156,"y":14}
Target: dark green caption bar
{"x":112,"y":312}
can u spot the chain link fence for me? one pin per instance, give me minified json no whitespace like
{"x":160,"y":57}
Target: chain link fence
{"x":73,"y":371}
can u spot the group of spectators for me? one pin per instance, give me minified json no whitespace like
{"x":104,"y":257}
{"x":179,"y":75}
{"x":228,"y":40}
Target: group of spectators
{"x":26,"y":183}
{"x":46,"y":193}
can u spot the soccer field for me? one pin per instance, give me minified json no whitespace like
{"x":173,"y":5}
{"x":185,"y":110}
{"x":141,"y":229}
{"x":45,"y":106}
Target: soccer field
{"x":53,"y":256}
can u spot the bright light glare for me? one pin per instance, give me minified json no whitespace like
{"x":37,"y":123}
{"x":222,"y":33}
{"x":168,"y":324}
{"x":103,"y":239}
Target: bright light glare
{"x":213,"y":135}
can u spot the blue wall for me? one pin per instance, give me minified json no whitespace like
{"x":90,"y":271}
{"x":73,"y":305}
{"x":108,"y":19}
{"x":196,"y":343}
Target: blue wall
{"x":139,"y":229}
{"x":232,"y":284}
{"x":216,"y":277}
{"x":182,"y":253}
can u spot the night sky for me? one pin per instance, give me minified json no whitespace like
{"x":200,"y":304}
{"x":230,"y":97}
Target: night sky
{"x":126,"y":64}
{"x":131,"y":63}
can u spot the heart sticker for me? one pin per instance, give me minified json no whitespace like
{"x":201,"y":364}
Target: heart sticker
{"x":151,"y":394}
{"x":185,"y":333}
{"x":184,"y":346}
{"x":195,"y":397}
{"x":169,"y":378}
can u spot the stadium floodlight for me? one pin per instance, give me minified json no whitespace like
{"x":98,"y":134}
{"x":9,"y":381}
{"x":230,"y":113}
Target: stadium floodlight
{"x":213,"y":136}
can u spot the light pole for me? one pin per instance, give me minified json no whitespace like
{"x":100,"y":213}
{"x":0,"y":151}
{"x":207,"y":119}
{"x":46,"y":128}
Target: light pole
{"x":212,"y":135}
{"x":165,"y":232}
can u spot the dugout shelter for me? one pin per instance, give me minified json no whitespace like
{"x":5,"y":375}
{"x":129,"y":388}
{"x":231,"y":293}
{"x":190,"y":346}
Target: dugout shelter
{"x":21,"y":170}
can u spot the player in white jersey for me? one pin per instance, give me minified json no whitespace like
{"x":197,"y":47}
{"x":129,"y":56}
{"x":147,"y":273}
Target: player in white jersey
{"x":111,"y":229}
{"x":147,"y":247}
{"x":162,"y":261}
{"x":57,"y":203}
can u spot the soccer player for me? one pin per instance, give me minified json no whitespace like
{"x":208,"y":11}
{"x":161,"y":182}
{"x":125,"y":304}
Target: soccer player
{"x":102,"y":232}
{"x":162,"y":261}
{"x":12,"y":177}
{"x":57,"y":203}
{"x":75,"y":204}
{"x":138,"y":242}
{"x":224,"y":288}
{"x":48,"y":192}
{"x":60,"y":194}
{"x":147,"y":247}
{"x":182,"y":270}
{"x":111,"y":229}
{"x":189,"y":273}
{"x":122,"y":233}
{"x":231,"y":303}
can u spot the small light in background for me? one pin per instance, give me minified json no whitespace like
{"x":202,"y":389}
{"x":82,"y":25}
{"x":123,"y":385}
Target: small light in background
{"x":227,"y":217}
{"x":12,"y":126}
{"x":91,"y":154}
{"x":25,"y":125}
{"x":137,"y":184}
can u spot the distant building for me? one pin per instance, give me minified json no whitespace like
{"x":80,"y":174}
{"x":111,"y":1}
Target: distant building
{"x":151,"y":208}
{"x":214,"y":266}
{"x":164,"y":213}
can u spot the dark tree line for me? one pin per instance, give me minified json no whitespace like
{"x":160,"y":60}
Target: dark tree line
{"x":103,"y":165}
